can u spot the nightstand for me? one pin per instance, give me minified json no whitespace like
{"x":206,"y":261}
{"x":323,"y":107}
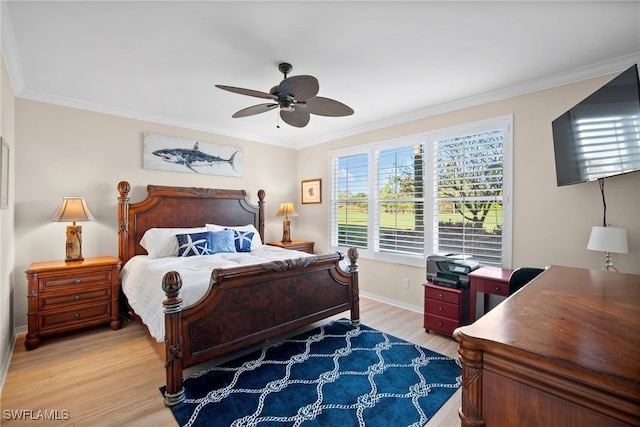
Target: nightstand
{"x":64,"y":296}
{"x":298,"y":245}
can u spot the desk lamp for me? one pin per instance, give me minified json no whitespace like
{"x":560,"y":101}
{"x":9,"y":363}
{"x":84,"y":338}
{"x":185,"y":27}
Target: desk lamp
{"x":608,"y":240}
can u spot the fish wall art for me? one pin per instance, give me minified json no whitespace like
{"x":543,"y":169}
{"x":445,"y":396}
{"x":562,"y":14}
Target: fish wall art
{"x":186,"y":155}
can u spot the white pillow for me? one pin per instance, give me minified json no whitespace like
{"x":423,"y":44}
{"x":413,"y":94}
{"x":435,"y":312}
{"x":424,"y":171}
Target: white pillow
{"x":162,"y":242}
{"x":256,"y":243}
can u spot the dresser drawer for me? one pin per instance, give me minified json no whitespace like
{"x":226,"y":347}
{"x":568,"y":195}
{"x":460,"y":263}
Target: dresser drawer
{"x":495,"y":288}
{"x":51,"y":300}
{"x":71,"y":319}
{"x":56,"y":281}
{"x":440,"y":324}
{"x":442,"y":294}
{"x":443,"y":309}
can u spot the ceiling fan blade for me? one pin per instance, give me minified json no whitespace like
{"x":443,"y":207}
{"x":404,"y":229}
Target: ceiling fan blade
{"x":327,"y":107}
{"x":256,"y":109}
{"x":297,"y":118}
{"x":300,"y":88}
{"x":248,"y":92}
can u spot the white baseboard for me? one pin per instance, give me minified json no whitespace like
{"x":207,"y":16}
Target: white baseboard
{"x":401,"y":304}
{"x":6,"y":358}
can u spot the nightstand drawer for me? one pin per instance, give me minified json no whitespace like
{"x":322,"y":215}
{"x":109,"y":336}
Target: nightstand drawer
{"x":443,"y":309}
{"x":71,"y":319}
{"x":53,"y":300}
{"x":55,"y":281}
{"x":442,"y":294}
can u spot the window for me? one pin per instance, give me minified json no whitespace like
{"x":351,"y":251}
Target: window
{"x":350,"y":201}
{"x":468,"y":195}
{"x":443,"y":191}
{"x":399,"y":201}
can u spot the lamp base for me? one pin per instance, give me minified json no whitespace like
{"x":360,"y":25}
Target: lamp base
{"x":608,"y":266}
{"x":286,"y":231}
{"x":73,"y":247}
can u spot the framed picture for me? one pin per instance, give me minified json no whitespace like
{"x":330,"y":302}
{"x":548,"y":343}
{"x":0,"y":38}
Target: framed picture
{"x":185,"y":155}
{"x":4,"y":175}
{"x":312,"y":191}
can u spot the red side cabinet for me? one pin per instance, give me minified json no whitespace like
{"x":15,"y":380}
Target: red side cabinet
{"x":445,"y":309}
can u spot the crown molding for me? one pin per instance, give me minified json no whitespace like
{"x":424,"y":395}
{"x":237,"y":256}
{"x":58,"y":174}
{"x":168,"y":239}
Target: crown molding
{"x":572,"y":76}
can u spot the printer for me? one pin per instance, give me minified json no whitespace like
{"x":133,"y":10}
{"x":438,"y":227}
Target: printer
{"x":450,"y":270}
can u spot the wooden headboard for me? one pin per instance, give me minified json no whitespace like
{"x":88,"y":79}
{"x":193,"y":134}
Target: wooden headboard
{"x":173,"y":207}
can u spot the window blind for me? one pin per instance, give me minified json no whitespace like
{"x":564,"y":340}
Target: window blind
{"x":399,"y":212}
{"x":350,"y":201}
{"x":468,"y":178}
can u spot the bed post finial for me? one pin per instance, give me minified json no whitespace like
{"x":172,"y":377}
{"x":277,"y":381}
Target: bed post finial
{"x":261,"y":195}
{"x":171,"y":285}
{"x":353,"y":255}
{"x":123,"y":221}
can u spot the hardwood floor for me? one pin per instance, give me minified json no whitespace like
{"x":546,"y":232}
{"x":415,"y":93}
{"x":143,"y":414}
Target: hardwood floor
{"x":101,"y":377}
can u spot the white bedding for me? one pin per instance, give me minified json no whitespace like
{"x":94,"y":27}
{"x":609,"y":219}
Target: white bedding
{"x":142,"y":279}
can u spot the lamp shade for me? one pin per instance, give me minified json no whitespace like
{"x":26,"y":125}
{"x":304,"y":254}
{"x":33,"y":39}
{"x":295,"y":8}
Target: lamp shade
{"x":608,"y":239}
{"x":286,"y":209}
{"x":73,"y":209}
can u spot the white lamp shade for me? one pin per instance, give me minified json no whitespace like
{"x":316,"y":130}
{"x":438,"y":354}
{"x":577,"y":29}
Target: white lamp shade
{"x":608,"y":239}
{"x":73,"y":209}
{"x":286,"y":209}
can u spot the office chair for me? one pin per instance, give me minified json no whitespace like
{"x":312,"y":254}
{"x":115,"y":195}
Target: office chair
{"x":521,"y":276}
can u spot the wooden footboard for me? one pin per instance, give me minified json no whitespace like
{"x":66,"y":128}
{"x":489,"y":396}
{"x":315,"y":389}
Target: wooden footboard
{"x":248,"y":305}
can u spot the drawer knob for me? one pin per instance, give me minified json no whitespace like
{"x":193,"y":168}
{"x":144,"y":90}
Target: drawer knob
{"x":77,"y":281}
{"x":439,"y":295}
{"x":439,"y":308}
{"x":76,"y":315}
{"x":497,"y":288}
{"x":439,"y":323}
{"x":77,"y":297}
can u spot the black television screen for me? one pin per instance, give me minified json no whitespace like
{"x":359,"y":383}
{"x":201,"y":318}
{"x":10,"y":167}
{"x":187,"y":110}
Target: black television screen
{"x":600,"y":136}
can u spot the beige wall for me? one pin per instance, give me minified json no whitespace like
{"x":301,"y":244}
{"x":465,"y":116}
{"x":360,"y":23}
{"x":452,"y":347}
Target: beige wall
{"x":7,"y":236}
{"x":551,"y":224}
{"x":70,"y":152}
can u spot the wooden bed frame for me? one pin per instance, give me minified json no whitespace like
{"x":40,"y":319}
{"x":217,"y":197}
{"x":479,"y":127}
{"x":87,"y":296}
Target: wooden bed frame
{"x":245,"y":305}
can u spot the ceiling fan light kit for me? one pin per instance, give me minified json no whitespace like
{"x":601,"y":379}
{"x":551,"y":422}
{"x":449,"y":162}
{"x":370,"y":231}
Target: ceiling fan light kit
{"x":296,"y":97}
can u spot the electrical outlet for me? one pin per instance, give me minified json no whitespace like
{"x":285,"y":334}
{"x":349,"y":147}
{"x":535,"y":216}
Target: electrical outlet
{"x":405,"y":282}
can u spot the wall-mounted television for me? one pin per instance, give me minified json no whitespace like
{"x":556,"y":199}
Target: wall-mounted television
{"x":600,"y":136}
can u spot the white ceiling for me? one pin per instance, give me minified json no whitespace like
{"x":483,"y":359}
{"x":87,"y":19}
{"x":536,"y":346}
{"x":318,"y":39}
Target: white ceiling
{"x":390,"y":61}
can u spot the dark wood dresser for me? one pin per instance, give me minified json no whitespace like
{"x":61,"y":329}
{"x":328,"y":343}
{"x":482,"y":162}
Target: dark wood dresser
{"x":63,"y":296}
{"x":563,"y":351}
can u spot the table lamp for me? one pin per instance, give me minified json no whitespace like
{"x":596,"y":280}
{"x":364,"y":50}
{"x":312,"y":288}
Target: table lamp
{"x":73,"y":209}
{"x":286,"y":210}
{"x":608,"y":240}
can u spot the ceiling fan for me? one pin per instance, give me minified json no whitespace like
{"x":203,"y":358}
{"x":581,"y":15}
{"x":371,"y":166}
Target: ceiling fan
{"x":296,"y":97}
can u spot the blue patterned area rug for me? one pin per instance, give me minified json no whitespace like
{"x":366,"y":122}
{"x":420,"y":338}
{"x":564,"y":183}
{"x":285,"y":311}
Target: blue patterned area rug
{"x":335,"y":375}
